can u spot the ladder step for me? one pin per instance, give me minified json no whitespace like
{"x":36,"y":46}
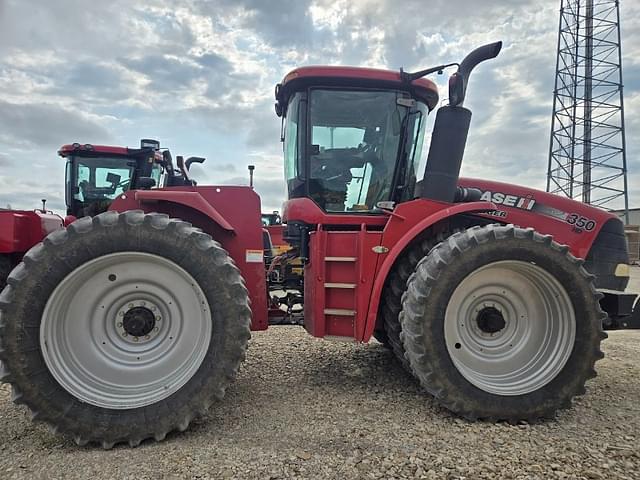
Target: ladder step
{"x":340,"y":311}
{"x":340,"y":285}
{"x":339,"y":259}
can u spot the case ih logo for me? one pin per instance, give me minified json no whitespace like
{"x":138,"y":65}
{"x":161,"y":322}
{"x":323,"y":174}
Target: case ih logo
{"x":499,"y":198}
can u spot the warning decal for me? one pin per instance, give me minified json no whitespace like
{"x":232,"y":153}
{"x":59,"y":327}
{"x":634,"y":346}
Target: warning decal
{"x":254,"y":256}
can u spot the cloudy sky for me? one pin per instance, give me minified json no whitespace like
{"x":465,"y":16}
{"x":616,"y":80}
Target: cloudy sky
{"x":199,"y":76}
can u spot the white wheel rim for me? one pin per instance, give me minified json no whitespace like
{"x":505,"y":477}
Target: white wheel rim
{"x":535,"y":341}
{"x":107,"y":363}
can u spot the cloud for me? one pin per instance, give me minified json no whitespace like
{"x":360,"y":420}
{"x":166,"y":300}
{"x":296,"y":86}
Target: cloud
{"x":286,"y":23}
{"x":28,"y":194}
{"x":99,"y":81}
{"x":199,"y":76}
{"x":164,"y":72}
{"x":48,"y":125}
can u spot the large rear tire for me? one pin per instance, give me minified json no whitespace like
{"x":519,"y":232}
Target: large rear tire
{"x":502,"y":323}
{"x":123,"y":327}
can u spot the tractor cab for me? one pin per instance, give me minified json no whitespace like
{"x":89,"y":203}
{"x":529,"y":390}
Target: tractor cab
{"x":352,"y":136}
{"x":97,"y":174}
{"x":271,"y":219}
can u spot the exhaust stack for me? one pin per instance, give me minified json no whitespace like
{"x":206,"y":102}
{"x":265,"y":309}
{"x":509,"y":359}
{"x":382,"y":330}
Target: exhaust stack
{"x":450,"y":131}
{"x":251,"y":169}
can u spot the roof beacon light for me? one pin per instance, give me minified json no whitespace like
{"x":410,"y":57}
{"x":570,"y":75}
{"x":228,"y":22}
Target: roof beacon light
{"x":150,"y":143}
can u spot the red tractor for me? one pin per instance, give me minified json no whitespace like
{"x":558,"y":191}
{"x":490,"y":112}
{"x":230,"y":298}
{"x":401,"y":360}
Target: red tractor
{"x":96,"y":175}
{"x":126,"y":324}
{"x":19,"y":231}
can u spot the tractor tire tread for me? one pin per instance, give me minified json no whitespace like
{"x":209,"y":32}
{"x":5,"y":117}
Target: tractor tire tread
{"x":395,"y":288}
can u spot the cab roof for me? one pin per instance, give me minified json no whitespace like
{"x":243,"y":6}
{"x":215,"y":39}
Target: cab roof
{"x":97,"y":150}
{"x":340,"y":76}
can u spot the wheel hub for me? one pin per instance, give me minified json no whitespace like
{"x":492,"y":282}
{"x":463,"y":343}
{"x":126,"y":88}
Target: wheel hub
{"x":139,"y":321}
{"x":490,"y":320}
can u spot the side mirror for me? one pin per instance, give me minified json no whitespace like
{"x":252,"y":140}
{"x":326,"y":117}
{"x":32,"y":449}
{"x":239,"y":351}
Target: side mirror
{"x":167,"y":161}
{"x":180,"y":162}
{"x":113,"y":178}
{"x":183,"y":170}
{"x":145,"y":183}
{"x":456,"y":89}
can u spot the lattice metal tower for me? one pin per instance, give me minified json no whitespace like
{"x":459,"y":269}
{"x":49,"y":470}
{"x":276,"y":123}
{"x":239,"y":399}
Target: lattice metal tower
{"x":587,"y":158}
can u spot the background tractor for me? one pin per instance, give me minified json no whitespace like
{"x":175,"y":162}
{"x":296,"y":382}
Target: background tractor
{"x":19,"y":231}
{"x":95,"y":176}
{"x":126,"y":324}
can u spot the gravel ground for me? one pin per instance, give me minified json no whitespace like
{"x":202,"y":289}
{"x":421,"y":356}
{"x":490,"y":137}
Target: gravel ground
{"x":307,"y":408}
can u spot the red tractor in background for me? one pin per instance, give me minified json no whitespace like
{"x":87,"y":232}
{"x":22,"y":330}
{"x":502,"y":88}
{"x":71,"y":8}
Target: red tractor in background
{"x":126,"y":324}
{"x":19,"y":231}
{"x":95,"y":176}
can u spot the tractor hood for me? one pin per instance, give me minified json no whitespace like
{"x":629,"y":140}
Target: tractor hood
{"x":513,"y":198}
{"x":590,"y":232}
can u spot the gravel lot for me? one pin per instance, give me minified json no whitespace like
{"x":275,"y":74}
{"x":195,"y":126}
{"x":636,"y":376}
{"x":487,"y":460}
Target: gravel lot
{"x":307,"y":408}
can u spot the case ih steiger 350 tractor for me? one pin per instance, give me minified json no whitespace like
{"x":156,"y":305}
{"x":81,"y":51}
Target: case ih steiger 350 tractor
{"x":126,"y":324}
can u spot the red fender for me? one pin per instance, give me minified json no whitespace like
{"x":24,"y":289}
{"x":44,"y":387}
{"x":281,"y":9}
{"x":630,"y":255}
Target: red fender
{"x":189,"y":199}
{"x":404,"y":238}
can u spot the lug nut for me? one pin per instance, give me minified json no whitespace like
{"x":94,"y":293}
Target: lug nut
{"x":131,"y":305}
{"x":135,"y":339}
{"x":147,"y":337}
{"x":121,"y":314}
{"x":124,"y":334}
{"x":120,"y":324}
{"x":158,"y":318}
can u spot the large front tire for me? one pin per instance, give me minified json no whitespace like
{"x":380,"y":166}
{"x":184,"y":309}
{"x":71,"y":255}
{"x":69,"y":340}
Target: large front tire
{"x":123,"y":327}
{"x":502,"y":323}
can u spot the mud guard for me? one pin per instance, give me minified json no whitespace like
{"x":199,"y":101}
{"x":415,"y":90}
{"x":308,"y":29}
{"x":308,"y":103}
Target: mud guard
{"x":406,"y":238}
{"x":189,"y":199}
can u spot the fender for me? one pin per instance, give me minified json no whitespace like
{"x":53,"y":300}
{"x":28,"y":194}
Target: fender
{"x":189,"y":199}
{"x":407,"y":222}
